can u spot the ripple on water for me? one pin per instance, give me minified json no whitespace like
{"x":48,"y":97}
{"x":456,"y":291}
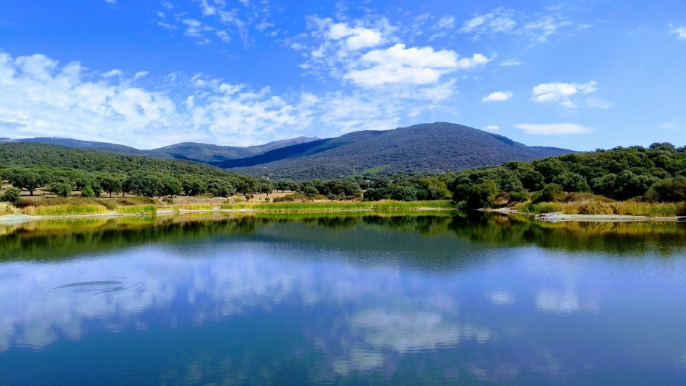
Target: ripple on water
{"x":97,"y":287}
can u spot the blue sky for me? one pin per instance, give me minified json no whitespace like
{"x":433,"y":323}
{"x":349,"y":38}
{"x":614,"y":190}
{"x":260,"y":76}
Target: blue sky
{"x":582,"y":75}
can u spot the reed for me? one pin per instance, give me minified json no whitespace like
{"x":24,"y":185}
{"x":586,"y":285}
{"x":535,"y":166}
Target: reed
{"x":344,"y":206}
{"x":198,"y":207}
{"x":147,"y":209}
{"x":65,"y":210}
{"x":624,"y":208}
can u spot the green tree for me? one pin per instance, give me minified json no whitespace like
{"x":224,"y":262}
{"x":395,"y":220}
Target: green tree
{"x":550,"y":193}
{"x":87,"y":191}
{"x":171,"y":186}
{"x":310,"y":191}
{"x":482,"y":195}
{"x":221,"y":188}
{"x":61,"y":189}
{"x":403,"y":193}
{"x":25,"y":179}
{"x":111,"y":184}
{"x":146,"y":185}
{"x":670,"y":190}
{"x":194,"y":185}
{"x":12,"y":195}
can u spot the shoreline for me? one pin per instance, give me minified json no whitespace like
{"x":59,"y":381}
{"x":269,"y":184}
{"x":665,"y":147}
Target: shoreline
{"x":562,"y":217}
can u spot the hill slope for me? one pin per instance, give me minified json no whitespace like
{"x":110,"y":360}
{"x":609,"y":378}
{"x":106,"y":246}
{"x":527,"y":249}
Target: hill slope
{"x":434,"y":147}
{"x":189,"y":151}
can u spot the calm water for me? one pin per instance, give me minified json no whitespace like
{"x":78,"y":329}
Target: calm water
{"x":342,"y":300}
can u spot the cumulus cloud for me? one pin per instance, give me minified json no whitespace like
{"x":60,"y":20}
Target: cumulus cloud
{"x":498,"y":96}
{"x":553,"y":128}
{"x":355,"y":38}
{"x":39,"y":97}
{"x":680,"y":32}
{"x":398,"y":64}
{"x":561,"y":92}
{"x":492,"y":128}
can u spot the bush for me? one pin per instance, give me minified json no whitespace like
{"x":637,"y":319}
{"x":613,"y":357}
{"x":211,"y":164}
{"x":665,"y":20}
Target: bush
{"x":13,"y":196}
{"x":310,"y":191}
{"x":87,"y":192}
{"x":403,"y":193}
{"x":669,"y":190}
{"x":519,"y":195}
{"x":550,"y":193}
{"x":482,"y":195}
{"x":61,"y":189}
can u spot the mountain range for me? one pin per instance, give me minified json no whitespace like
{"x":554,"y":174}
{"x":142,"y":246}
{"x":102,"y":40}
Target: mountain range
{"x":433,"y":147}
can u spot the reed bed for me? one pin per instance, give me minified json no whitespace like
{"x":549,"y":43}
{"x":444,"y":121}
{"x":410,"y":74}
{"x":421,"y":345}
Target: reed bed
{"x":136,"y":209}
{"x":65,"y":210}
{"x":343,"y":206}
{"x":626,"y":208}
{"x":198,"y":207}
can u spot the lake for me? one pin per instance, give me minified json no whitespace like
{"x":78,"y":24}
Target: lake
{"x":417,"y":299}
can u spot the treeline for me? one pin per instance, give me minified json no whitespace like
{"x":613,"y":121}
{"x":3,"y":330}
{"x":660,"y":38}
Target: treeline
{"x":62,"y":182}
{"x":657,"y":173}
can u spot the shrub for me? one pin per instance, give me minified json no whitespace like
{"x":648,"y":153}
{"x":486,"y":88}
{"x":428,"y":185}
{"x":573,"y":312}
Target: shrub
{"x":310,"y":191}
{"x":550,"y":193}
{"x":87,"y":192}
{"x":519,"y":195}
{"x":13,"y":196}
{"x":482,"y":195}
{"x":669,"y":190}
{"x":61,"y":189}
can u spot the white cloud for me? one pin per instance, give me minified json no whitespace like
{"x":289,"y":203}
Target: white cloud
{"x":355,"y":38}
{"x":113,"y":73}
{"x":511,"y":62}
{"x":196,"y":29}
{"x":545,"y":27}
{"x":507,"y":21}
{"x":492,"y":128}
{"x":447,"y":21}
{"x":553,"y":128}
{"x":167,"y":5}
{"x":207,"y":10}
{"x":38,"y":97}
{"x":498,"y":96}
{"x":561,"y":92}
{"x":680,"y":32}
{"x":398,"y":64}
{"x":167,"y":26}
{"x":141,"y":74}
{"x":498,"y":20}
{"x":500,"y":298}
{"x":160,"y":14}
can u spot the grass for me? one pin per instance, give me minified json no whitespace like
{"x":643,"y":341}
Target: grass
{"x":198,"y":207}
{"x":147,"y":209}
{"x":627,"y":208}
{"x":342,"y":206}
{"x":65,"y":210}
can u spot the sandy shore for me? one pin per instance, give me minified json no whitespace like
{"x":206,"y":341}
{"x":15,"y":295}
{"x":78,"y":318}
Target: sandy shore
{"x":559,"y":217}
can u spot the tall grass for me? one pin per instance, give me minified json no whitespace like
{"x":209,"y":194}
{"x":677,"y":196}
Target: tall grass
{"x":198,"y":207}
{"x":147,"y":209}
{"x":343,"y":206}
{"x":65,"y":210}
{"x":625,"y":208}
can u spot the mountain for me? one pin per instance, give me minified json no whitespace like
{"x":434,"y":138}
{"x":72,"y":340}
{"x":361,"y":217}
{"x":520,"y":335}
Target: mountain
{"x":188,"y":151}
{"x":435,"y":147}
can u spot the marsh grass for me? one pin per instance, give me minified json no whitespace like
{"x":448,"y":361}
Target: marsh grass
{"x":198,"y":207}
{"x":626,"y":208}
{"x":65,"y":210}
{"x":147,"y":209}
{"x":384,"y":206}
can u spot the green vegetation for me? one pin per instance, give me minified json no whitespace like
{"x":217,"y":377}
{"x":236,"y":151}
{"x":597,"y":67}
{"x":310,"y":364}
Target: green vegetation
{"x":375,"y":170}
{"x":198,"y":207}
{"x":12,"y":195}
{"x":627,"y":208}
{"x":65,"y":210}
{"x":137,"y":209}
{"x":382,"y":206}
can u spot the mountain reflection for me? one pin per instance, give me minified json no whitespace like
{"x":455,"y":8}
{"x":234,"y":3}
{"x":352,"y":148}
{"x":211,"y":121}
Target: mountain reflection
{"x":466,"y":297}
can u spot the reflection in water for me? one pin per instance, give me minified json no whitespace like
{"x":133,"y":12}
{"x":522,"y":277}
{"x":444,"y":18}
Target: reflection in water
{"x":352,"y":299}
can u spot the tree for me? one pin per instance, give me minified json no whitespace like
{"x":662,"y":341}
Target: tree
{"x":194,"y":185}
{"x":670,"y":190}
{"x":25,"y":179}
{"x":375,"y":194}
{"x":482,"y":195}
{"x":171,"y":186}
{"x":310,"y":191}
{"x":266,"y":186}
{"x":12,"y":195}
{"x":550,"y":193}
{"x":87,"y":191}
{"x":111,"y":184}
{"x":403,"y":193}
{"x":221,"y":188}
{"x":144,"y":185}
{"x":61,"y":189}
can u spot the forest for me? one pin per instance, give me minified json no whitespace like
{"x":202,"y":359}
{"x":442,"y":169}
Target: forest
{"x":653,"y":174}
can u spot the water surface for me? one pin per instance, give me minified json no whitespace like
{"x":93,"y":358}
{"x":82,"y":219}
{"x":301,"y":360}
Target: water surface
{"x":356,"y":299}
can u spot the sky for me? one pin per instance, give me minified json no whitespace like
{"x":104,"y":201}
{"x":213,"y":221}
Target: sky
{"x":581,"y":75}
